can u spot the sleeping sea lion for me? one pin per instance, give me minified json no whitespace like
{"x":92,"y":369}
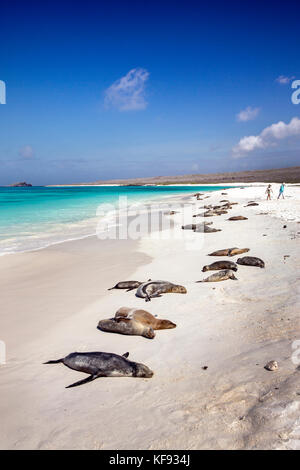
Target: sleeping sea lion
{"x":206,"y":229}
{"x":238,"y":217}
{"x":230,"y":252}
{"x":210,"y":213}
{"x":144,"y":317}
{"x":221,"y":212}
{"x":102,"y":364}
{"x":129,"y":285}
{"x":251,"y":261}
{"x":152,"y":289}
{"x":220,"y":265}
{"x":220,"y":276}
{"x":195,"y":226}
{"x":126,"y":327}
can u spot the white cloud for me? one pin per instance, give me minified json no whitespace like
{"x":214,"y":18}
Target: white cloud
{"x":284,"y":80}
{"x":247,"y":114}
{"x":128,"y":93}
{"x":269,"y":137}
{"x":26,"y":152}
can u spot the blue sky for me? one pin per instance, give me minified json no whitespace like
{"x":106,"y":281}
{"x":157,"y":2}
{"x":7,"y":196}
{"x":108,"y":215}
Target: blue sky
{"x":100,"y":90}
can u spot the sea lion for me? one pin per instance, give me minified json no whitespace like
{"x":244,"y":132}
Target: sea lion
{"x":221,"y":212}
{"x":238,"y":217}
{"x":210,"y":213}
{"x":220,"y":276}
{"x":195,"y":226}
{"x":130,"y":327}
{"x":220,"y":265}
{"x":237,"y":251}
{"x":152,"y":289}
{"x":143,"y":317}
{"x":252,"y":204}
{"x":129,"y":285}
{"x":171,"y":213}
{"x":230,"y":252}
{"x":206,"y":229}
{"x":251,"y":261}
{"x":101,"y":364}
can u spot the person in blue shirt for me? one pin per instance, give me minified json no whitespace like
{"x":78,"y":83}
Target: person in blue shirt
{"x":281,"y":191}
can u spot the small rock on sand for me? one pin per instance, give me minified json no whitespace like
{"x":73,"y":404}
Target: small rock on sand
{"x":272,"y":366}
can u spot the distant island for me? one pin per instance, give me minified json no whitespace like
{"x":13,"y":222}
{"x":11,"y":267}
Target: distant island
{"x":23,"y":184}
{"x":279,"y":175}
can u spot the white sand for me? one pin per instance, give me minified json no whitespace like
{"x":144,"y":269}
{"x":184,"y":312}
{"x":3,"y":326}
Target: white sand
{"x":53,"y":299}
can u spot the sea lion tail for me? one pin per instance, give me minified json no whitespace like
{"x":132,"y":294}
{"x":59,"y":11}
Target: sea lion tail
{"x":111,"y":288}
{"x":54,"y":362}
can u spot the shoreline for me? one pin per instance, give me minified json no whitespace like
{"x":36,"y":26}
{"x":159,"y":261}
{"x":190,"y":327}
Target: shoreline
{"x":229,"y":327}
{"x":88,"y":223}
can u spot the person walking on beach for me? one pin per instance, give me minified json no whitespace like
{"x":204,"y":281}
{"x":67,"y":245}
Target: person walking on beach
{"x":281,"y":191}
{"x":268,"y":192}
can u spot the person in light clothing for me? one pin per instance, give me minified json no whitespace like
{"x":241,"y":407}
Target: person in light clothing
{"x":268,"y":192}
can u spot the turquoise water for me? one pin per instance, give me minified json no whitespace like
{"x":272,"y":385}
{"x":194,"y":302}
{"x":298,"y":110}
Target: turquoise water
{"x":32,"y":218}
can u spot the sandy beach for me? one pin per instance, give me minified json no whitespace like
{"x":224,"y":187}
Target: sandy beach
{"x":52,"y":300}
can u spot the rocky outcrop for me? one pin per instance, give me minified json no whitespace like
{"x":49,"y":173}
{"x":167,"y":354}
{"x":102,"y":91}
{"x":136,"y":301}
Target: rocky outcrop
{"x":21,"y":185}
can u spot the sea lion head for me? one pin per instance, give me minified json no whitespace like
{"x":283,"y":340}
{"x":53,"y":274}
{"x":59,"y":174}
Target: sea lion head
{"x":231,"y":275}
{"x":142,"y":371}
{"x":205,"y":268}
{"x":179,"y":290}
{"x":166,"y":324}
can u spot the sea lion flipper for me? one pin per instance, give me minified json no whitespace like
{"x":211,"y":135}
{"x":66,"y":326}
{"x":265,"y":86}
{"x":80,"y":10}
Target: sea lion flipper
{"x":122,"y":319}
{"x":126,"y":354}
{"x":57,"y":361}
{"x":84,"y":381}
